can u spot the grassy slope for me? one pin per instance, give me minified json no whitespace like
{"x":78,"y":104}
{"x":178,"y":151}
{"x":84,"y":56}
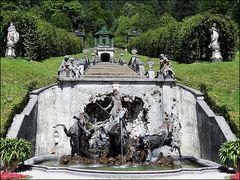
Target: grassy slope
{"x":222,"y":80}
{"x":16,"y":75}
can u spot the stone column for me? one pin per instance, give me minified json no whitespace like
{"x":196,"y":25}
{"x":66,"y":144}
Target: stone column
{"x":95,"y":41}
{"x":167,"y":98}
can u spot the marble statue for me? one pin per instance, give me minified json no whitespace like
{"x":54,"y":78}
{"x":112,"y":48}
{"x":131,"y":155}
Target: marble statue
{"x":214,"y":44}
{"x":122,"y":61}
{"x":68,"y":68}
{"x":214,"y":36}
{"x":150,"y":73}
{"x":12,"y":39}
{"x":76,"y":133}
{"x":166,"y":72}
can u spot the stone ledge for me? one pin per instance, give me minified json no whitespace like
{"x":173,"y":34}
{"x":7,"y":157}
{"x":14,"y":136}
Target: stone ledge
{"x":15,"y":126}
{"x":38,"y":91}
{"x":209,"y":165}
{"x":193,"y":91}
{"x":19,"y":118}
{"x":206,"y":108}
{"x":223,"y":125}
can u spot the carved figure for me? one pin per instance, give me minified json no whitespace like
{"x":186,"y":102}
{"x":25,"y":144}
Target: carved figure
{"x":165,"y":68}
{"x":150,"y":64}
{"x":214,"y":36}
{"x":122,"y":61}
{"x":68,"y":68}
{"x":115,"y":128}
{"x":168,"y":135}
{"x":12,"y":39}
{"x":214,"y":45}
{"x":78,"y":134}
{"x":65,"y":64}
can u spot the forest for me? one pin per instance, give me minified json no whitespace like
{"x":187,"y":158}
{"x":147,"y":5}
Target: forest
{"x":46,"y":26}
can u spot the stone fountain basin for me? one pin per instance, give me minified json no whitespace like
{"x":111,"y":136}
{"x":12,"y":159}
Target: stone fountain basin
{"x":49,"y":163}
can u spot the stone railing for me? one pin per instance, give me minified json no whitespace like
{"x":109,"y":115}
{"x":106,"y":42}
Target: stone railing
{"x":165,"y":72}
{"x":137,"y":65}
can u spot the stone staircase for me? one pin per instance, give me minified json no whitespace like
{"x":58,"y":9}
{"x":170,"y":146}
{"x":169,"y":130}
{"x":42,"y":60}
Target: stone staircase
{"x":110,"y":70}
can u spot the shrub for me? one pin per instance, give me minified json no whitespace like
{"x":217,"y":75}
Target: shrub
{"x":157,"y":41}
{"x":38,"y":39}
{"x":188,"y":41}
{"x":17,"y":105}
{"x":230,"y":154}
{"x":193,"y":37}
{"x":14,"y":151}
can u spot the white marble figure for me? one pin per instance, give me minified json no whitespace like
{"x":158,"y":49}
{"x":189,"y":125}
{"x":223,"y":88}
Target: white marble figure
{"x":214,"y":45}
{"x":214,"y":37}
{"x":166,"y":72}
{"x":12,"y":39}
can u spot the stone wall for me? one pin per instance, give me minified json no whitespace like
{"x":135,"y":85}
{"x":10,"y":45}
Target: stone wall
{"x":201,"y":135}
{"x":202,"y":131}
{"x":57,"y":105}
{"x":213,"y":131}
{"x":24,"y":125}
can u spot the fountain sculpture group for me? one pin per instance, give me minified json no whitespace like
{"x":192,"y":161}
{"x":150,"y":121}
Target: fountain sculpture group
{"x":112,"y":128}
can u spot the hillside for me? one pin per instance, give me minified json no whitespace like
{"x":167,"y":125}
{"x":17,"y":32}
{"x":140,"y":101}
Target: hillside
{"x":221,"y":79}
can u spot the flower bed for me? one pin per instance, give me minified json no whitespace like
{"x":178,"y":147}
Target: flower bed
{"x":12,"y":175}
{"x":235,"y":176}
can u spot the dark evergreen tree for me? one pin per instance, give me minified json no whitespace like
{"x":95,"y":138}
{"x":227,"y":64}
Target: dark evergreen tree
{"x":184,"y":8}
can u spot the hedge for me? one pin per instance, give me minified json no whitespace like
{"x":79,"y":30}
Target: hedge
{"x":188,"y":41}
{"x":38,"y":39}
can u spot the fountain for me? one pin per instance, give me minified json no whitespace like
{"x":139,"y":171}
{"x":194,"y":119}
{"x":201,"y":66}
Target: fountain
{"x":113,"y":129}
{"x":107,"y":117}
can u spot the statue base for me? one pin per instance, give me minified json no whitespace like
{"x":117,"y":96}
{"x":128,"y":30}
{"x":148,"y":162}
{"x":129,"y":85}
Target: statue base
{"x":10,"y":53}
{"x":216,"y":56}
{"x":150,"y":74}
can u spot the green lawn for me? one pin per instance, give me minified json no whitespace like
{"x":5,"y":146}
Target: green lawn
{"x":18,"y":76}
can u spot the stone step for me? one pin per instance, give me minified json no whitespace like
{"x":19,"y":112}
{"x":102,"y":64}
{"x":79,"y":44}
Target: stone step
{"x":110,"y":69}
{"x":112,"y":76}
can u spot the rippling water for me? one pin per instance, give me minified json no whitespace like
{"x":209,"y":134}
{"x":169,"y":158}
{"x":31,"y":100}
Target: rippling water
{"x":137,"y":167}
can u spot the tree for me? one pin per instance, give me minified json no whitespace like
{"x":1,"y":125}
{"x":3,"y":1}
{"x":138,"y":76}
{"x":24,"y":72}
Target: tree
{"x":184,"y":8}
{"x":147,"y":18}
{"x":61,"y":20}
{"x":128,"y":10}
{"x":73,"y":10}
{"x":75,"y":13}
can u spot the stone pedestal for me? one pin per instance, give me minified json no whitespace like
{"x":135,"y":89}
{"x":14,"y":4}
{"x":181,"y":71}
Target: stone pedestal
{"x":151,"y":74}
{"x":10,"y":51}
{"x":216,"y":55}
{"x":81,"y":67}
{"x":141,"y":70}
{"x":160,"y":76}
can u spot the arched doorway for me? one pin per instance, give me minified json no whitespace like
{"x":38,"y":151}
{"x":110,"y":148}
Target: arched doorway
{"x":105,"y":57}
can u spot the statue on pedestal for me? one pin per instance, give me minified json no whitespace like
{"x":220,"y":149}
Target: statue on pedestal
{"x":214,"y":45}
{"x":166,"y":72}
{"x":12,"y":39}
